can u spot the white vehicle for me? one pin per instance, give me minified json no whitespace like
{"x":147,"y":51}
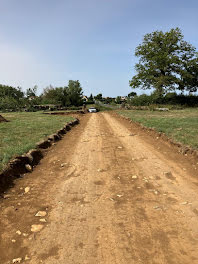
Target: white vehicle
{"x":92,"y":110}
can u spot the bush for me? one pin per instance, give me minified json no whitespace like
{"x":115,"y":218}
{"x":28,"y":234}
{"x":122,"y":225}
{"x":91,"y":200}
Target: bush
{"x":9,"y":104}
{"x":141,"y":100}
{"x":168,"y":99}
{"x":89,"y":102}
{"x":187,"y":100}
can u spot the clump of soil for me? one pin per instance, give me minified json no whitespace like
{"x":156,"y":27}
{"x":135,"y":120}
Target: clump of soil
{"x":2,"y":119}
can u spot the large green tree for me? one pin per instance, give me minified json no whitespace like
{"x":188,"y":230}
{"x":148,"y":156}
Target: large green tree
{"x":66,"y":96}
{"x":166,"y":62}
{"x":75,"y":93}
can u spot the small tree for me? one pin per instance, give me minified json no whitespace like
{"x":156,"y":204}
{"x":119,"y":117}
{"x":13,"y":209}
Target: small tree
{"x":75,"y":93}
{"x":98,"y":97}
{"x":91,"y":97}
{"x":167,"y":62}
{"x":118,"y":100}
{"x":132,"y":94}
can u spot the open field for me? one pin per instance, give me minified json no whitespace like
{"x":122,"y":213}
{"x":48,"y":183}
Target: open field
{"x":180,"y":125}
{"x":24,"y":130}
{"x":61,"y":111}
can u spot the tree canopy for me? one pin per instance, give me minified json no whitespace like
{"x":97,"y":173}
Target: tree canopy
{"x":14,"y":99}
{"x":132,"y":94}
{"x":75,"y":92}
{"x":10,"y":97}
{"x":167,"y":62}
{"x":91,"y":97}
{"x":98,"y":96}
{"x":65,"y":96}
{"x":9,"y":91}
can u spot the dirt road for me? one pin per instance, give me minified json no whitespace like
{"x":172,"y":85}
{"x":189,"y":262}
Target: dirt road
{"x":107,"y":194}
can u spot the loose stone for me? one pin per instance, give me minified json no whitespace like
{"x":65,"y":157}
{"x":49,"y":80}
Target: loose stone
{"x":36,"y":228}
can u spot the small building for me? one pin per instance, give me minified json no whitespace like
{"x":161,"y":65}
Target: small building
{"x":85,"y":98}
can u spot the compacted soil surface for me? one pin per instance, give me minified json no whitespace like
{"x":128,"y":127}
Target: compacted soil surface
{"x":107,"y":193}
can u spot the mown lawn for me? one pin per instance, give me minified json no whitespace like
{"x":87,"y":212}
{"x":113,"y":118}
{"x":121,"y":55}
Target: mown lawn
{"x":180,"y":125}
{"x":24,"y":130}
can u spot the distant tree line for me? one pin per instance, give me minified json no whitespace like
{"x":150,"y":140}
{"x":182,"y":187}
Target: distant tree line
{"x":14,"y":99}
{"x":105,"y":100}
{"x":166,"y":99}
{"x":171,"y":98}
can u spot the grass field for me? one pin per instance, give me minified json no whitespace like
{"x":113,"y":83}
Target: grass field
{"x":180,"y":125}
{"x":24,"y":130}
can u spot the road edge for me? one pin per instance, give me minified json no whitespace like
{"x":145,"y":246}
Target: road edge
{"x":25,"y":163}
{"x":181,"y":148}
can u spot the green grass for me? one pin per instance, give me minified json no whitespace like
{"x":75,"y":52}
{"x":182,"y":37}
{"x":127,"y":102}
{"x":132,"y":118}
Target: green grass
{"x":106,"y":107}
{"x":103,"y":107}
{"x":60,"y":111}
{"x":180,"y":125}
{"x":24,"y":130}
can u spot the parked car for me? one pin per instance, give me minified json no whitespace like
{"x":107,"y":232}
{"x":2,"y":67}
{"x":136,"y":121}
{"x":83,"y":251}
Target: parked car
{"x":92,"y":110}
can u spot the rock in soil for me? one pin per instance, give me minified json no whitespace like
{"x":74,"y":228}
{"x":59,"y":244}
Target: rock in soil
{"x":28,"y":167}
{"x":18,"y":232}
{"x":27,"y":258}
{"x":43,"y":220}
{"x":41,"y":214}
{"x":17,"y":260}
{"x":36,"y":228}
{"x":134,"y":177}
{"x":27,"y":189}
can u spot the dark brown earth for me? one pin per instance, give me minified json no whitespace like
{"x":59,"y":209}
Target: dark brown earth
{"x":109,"y":193}
{"x":2,"y":119}
{"x":74,"y":113}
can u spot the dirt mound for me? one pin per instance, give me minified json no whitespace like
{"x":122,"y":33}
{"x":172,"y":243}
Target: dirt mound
{"x":65,"y":113}
{"x":2,"y":119}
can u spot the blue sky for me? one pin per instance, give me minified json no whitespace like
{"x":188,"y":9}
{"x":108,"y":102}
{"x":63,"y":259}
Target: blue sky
{"x":52,"y":41}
